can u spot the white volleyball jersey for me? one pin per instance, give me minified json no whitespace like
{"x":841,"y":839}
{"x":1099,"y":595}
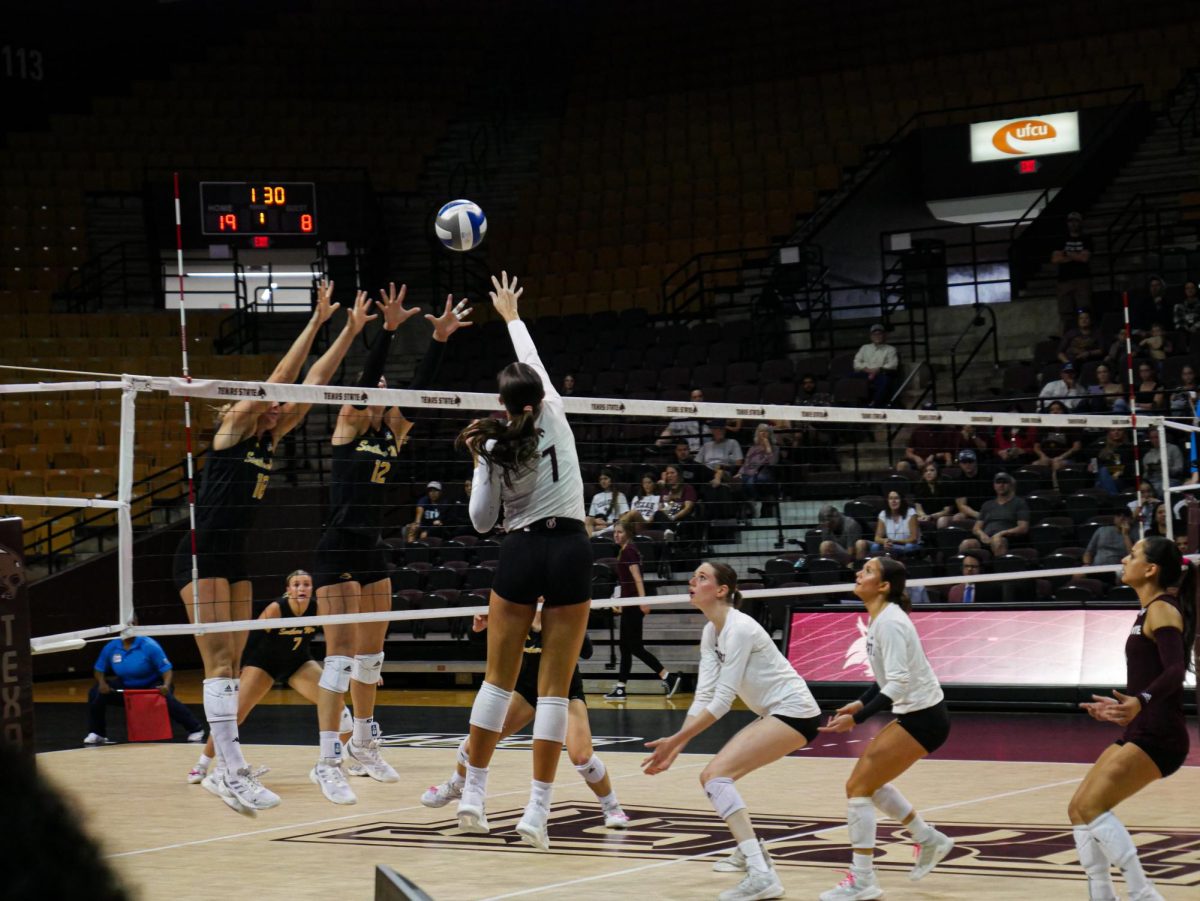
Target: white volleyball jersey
{"x":899,"y":663}
{"x":742,"y":661}
{"x":552,"y":486}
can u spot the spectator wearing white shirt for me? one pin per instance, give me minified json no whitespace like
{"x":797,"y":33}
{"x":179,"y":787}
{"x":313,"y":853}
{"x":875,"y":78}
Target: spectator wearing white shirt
{"x":607,"y":505}
{"x":649,"y":502}
{"x":1152,"y":463}
{"x":1064,"y":389}
{"x":690,"y":430}
{"x":897,"y":530}
{"x":739,"y":659}
{"x":722,"y":454}
{"x":877,"y":362}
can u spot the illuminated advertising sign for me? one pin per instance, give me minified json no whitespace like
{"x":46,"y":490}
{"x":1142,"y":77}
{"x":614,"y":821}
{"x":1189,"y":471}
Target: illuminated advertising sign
{"x":1006,"y":139}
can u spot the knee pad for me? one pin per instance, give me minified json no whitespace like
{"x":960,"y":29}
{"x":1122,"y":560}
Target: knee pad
{"x":461,"y":756}
{"x":889,"y":800}
{"x":367,"y":668}
{"x":490,"y":707}
{"x":593,"y":771}
{"x":347,"y":723}
{"x":335,"y":674}
{"x":860,"y":822}
{"x":220,"y":700}
{"x":723,"y":796}
{"x":550,"y":720}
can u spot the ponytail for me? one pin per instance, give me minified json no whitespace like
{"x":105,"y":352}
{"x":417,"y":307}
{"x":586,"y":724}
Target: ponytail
{"x":895,"y":574}
{"x":515,"y":442}
{"x":726,"y":575}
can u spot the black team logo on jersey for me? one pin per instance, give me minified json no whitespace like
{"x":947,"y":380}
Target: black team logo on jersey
{"x":1170,"y":856}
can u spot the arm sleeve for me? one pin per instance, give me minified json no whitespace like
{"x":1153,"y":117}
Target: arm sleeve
{"x":1173,"y":657}
{"x":706,"y":680}
{"x":485,"y":497}
{"x":895,"y":661}
{"x":368,"y":376}
{"x":527,"y":353}
{"x":738,"y":647}
{"x":427,"y":371}
{"x":878,"y":702}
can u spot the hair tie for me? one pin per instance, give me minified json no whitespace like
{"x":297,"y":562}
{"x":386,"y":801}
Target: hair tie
{"x":528,"y":408}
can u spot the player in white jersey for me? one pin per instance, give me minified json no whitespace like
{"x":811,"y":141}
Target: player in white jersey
{"x":739,"y":659}
{"x":906,"y":685}
{"x":530,"y":465}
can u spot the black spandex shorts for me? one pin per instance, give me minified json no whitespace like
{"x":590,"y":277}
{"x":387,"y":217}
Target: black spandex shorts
{"x":805,"y":725}
{"x":554,"y":562}
{"x":527,"y":682}
{"x":930,"y":727}
{"x":281,"y":666}
{"x":219,"y":555}
{"x":1167,"y":757}
{"x":344,"y":556}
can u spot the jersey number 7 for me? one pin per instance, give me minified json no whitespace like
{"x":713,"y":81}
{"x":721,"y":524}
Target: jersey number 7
{"x":552,"y":453}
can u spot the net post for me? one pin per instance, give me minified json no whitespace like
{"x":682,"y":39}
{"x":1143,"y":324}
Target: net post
{"x":125,"y":497}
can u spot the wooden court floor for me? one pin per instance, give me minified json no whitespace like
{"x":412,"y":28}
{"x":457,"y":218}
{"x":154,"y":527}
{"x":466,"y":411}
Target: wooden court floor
{"x":171,"y":840}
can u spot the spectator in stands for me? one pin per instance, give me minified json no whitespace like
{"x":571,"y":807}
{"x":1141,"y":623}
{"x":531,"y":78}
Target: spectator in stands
{"x":1160,"y":521}
{"x":1001,"y":519}
{"x":1186,"y":316}
{"x":1142,"y":509}
{"x":1110,"y":544}
{"x":1064,"y":388}
{"x":1014,"y":444}
{"x":842,"y":533}
{"x":428,"y":519}
{"x":1183,"y":398}
{"x":927,"y":444}
{"x":691,"y":472}
{"x":1083,"y":343}
{"x":973,"y":592}
{"x":1152,"y":307}
{"x":878,"y":363}
{"x":607,"y":506}
{"x":805,"y":434}
{"x":568,"y":385}
{"x":649,"y":501}
{"x":1155,"y":346}
{"x":756,"y":473}
{"x":457,"y":515}
{"x":1112,"y":461}
{"x":721,"y":454}
{"x":1149,"y":395}
{"x":1056,"y":448}
{"x":678,"y":501}
{"x":1107,"y":395}
{"x":1074,"y":283}
{"x":897,"y":532}
{"x":965,"y":437}
{"x":933,"y":498}
{"x":1152,"y":463}
{"x":688,"y":428}
{"x":972,"y":490}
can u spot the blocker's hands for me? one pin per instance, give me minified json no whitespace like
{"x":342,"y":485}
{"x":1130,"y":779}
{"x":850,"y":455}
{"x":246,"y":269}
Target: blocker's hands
{"x":358,"y":317}
{"x":325,"y":306}
{"x":452,"y":319}
{"x":505,"y":297}
{"x":391,"y":305}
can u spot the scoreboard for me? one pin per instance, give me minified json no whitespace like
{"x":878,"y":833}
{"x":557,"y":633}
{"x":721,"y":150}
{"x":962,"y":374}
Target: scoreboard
{"x":258,"y":208}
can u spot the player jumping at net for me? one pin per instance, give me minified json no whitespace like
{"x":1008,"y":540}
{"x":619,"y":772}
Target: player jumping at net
{"x":352,"y":560}
{"x":739,"y":659}
{"x":530,"y":464}
{"x":232,"y":483}
{"x":906,"y":685}
{"x":1155,"y":742}
{"x":275,"y":655}
{"x":521,"y":712}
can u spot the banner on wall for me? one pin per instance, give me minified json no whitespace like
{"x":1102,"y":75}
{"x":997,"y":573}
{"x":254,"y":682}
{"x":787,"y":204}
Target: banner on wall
{"x":1007,"y":139}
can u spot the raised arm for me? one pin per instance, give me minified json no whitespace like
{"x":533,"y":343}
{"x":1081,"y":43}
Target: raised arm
{"x":505,"y":299}
{"x":289,"y":367}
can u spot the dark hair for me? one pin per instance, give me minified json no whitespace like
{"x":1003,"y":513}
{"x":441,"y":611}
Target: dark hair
{"x":1175,"y":572}
{"x":895,"y":574}
{"x":727,"y":576}
{"x":516,"y":441}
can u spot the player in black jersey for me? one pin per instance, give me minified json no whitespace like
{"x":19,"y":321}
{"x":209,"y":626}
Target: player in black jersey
{"x":352,"y":571}
{"x":277,"y":655}
{"x":232,"y":482}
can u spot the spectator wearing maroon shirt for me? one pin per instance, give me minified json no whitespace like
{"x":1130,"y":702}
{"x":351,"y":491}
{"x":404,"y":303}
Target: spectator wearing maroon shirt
{"x":927,"y":444}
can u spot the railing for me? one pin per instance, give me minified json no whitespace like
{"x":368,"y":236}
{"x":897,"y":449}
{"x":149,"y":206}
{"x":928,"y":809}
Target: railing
{"x":1188,"y":124}
{"x":956,"y":371}
{"x":108,"y":274}
{"x":687,"y":291}
{"x":1141,"y":218}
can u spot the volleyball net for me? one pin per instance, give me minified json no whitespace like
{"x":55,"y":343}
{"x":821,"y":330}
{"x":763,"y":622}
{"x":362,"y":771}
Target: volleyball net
{"x":792,"y":496}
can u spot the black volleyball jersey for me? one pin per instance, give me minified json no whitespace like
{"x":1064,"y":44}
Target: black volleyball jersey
{"x":362,"y":469}
{"x":232,"y":483}
{"x":288,"y":641}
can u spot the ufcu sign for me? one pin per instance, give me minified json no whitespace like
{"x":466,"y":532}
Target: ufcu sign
{"x":1004,"y":139}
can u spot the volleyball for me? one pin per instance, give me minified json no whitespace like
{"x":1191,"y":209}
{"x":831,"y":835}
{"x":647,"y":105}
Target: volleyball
{"x":460,"y":225}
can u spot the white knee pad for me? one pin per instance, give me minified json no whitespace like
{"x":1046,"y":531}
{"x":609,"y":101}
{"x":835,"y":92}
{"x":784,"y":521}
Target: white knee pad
{"x":367,"y":668}
{"x":723,"y":796}
{"x":490,"y":707}
{"x":335,"y":675}
{"x":860,"y":822}
{"x":889,"y":800}
{"x":593,"y":771}
{"x":220,"y":700}
{"x":461,"y":756}
{"x":347,"y":723}
{"x":550,"y":720}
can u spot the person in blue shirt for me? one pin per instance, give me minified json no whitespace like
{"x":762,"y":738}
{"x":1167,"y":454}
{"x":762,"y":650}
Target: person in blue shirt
{"x":137,"y":662}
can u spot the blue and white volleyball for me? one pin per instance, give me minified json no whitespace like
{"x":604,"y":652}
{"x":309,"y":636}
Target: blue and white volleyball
{"x":460,"y":225}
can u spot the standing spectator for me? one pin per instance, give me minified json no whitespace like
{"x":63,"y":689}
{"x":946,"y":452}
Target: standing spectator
{"x":896,"y":530}
{"x":1064,"y":388}
{"x":649,"y":501}
{"x":1074,"y":271}
{"x":933,"y":498}
{"x":1083,"y":343}
{"x":428,"y":519}
{"x":1183,"y":398}
{"x":137,"y":662}
{"x":877,"y":362}
{"x":841,"y":534}
{"x":973,"y":592}
{"x":927,"y":444}
{"x":1004,"y":517}
{"x":721,"y":453}
{"x":1057,"y":447}
{"x":688,"y":429}
{"x":972,"y":490}
{"x":1149,"y":395}
{"x":607,"y":506}
{"x":1152,"y":307}
{"x":1107,"y":395}
{"x":1152,"y":463}
{"x":756,"y":472}
{"x":1186,"y":316}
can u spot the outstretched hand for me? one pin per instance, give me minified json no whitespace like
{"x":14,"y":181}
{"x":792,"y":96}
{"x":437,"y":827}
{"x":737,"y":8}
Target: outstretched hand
{"x":452,"y":319}
{"x":325,"y":306}
{"x":505,"y":297}
{"x":358,"y":317}
{"x":665,"y":752}
{"x":839,"y":722}
{"x":391,"y":305}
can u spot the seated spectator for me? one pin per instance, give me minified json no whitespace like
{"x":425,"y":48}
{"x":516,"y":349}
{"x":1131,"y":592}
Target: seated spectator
{"x":136,"y":662}
{"x":1074,"y":277}
{"x":933,"y":498}
{"x":878,"y":363}
{"x":1148,"y":390}
{"x":428,"y":519}
{"x":972,"y":490}
{"x":1083,"y":343}
{"x":841,"y":534}
{"x":1155,"y":346}
{"x":809,"y":395}
{"x":721,"y":454}
{"x":1112,"y":461}
{"x":1064,"y":388}
{"x":927,"y":444}
{"x":688,"y":429}
{"x":965,"y":437}
{"x":607,"y":506}
{"x":457,"y":515}
{"x":568,"y":385}
{"x":1159,"y":527}
{"x":973,"y":592}
{"x":1151,"y":307}
{"x":1109,"y":544}
{"x":1142,"y":509}
{"x":1057,"y":448}
{"x":1152,"y":463}
{"x":1186,"y":315}
{"x":1001,"y":519}
{"x":1107,"y":395}
{"x":1014,"y":444}
{"x":678,"y":501}
{"x":649,"y":501}
{"x":691,"y":472}
{"x":896,"y":531}
{"x":1183,"y":398}
{"x":756,"y":473}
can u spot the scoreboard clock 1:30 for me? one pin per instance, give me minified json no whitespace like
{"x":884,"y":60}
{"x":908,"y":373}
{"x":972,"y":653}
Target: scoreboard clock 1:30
{"x":258,"y":208}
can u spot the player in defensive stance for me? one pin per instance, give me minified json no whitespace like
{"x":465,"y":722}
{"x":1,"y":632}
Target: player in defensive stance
{"x":521,"y":711}
{"x":274,"y":655}
{"x":906,"y":685}
{"x":352,"y":560}
{"x":1155,"y":743}
{"x":529,"y":464}
{"x":739,"y":659}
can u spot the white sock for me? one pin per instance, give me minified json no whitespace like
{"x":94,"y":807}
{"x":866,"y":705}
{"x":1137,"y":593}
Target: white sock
{"x":204,"y":761}
{"x":609,"y":802}
{"x":331,"y":746}
{"x":919,"y":829}
{"x":362,"y":731}
{"x":220,"y":709}
{"x":1116,"y":843}
{"x":755,"y":861}
{"x":1095,"y":864}
{"x":539,"y":793}
{"x":860,"y":822}
{"x":862,"y":863}
{"x":476,"y":781}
